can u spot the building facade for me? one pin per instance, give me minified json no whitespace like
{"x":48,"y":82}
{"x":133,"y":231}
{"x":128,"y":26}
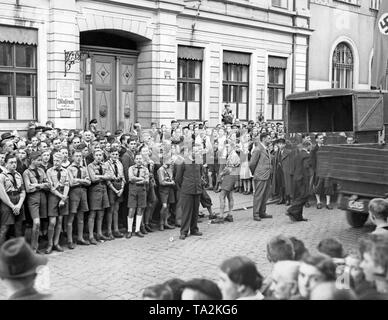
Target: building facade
{"x":148,"y":61}
{"x":341,"y":46}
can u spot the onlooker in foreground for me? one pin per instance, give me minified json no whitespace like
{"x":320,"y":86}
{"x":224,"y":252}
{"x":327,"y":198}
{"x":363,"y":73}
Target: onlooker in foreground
{"x":177,"y":286}
{"x":374,"y":251}
{"x":201,"y":289}
{"x":314,"y":270}
{"x":239,"y":279}
{"x":284,"y":282}
{"x":299,"y":248}
{"x":158,"y":292}
{"x":329,"y":291}
{"x":18,"y":270}
{"x":378,"y":213}
{"x":331,"y":247}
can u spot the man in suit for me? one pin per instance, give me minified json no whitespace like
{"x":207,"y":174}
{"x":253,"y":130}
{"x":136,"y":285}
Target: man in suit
{"x":188,"y":179}
{"x":302,"y":179}
{"x":261,"y":169}
{"x":285,"y":163}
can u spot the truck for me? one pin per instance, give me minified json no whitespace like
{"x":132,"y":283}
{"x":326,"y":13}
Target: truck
{"x":360,"y":170}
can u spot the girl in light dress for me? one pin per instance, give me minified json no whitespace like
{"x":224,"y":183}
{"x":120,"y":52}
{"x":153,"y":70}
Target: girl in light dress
{"x":245,"y":173}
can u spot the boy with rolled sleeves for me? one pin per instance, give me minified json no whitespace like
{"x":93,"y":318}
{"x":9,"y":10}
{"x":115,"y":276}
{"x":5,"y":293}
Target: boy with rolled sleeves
{"x":37,"y":185}
{"x":138,"y":177}
{"x":58,"y":204}
{"x":79,"y":183}
{"x":97,"y":195}
{"x":115,"y":193}
{"x":12,"y":195}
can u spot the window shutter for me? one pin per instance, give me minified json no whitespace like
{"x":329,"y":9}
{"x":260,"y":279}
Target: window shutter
{"x":277,"y":62}
{"x":237,"y":58}
{"x":190,"y":53}
{"x":18,"y":35}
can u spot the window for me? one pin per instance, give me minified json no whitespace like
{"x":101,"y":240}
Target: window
{"x":189,"y":83}
{"x":277,"y":68}
{"x":17,"y":82}
{"x":343,"y":65}
{"x":375,"y":4}
{"x":280,"y":3}
{"x":353,"y":2}
{"x":236,"y":83}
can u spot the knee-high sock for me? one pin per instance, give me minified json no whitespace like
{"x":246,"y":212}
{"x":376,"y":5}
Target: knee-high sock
{"x":138,"y":223}
{"x":50,"y":234}
{"x":130,"y":224}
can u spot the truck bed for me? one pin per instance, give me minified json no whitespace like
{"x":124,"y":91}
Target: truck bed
{"x":358,"y":169}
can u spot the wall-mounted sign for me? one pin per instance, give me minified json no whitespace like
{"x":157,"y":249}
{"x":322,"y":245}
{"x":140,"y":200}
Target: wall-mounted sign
{"x":65,"y":95}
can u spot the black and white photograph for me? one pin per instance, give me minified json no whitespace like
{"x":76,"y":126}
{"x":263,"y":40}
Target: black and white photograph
{"x":209,"y":151}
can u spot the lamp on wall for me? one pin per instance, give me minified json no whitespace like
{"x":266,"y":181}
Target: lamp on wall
{"x":71,"y":57}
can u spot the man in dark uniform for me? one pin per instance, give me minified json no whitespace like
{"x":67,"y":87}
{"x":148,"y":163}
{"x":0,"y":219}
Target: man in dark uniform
{"x":189,"y":180}
{"x":302,"y":177}
{"x":12,"y":195}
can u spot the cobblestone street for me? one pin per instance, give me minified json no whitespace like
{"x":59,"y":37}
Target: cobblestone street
{"x":121,"y":269}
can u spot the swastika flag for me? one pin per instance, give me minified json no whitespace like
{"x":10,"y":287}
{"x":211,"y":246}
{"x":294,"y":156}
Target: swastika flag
{"x":380,"y":51}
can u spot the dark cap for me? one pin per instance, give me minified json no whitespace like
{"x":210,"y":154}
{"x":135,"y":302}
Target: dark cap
{"x":45,"y":129}
{"x":81,"y":146}
{"x":34,"y":155}
{"x":6,"y":136}
{"x":93,"y":121}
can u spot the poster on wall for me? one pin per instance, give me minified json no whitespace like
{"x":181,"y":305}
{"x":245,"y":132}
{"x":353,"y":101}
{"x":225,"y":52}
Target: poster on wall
{"x":65,"y":95}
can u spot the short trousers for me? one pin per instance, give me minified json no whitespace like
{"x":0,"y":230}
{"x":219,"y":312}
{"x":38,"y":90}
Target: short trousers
{"x":228,"y":182}
{"x":98,"y":197}
{"x":113,"y":198}
{"x":6,"y":215}
{"x":37,"y":204}
{"x":167,"y":194}
{"x":53,"y":207}
{"x":78,"y":197}
{"x":137,"y":196}
{"x":205,"y":200}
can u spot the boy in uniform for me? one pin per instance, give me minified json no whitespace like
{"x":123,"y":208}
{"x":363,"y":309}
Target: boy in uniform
{"x":12,"y":195}
{"x":79,"y":182}
{"x":138,"y":177}
{"x":115,"y":193}
{"x":36,"y":184}
{"x":58,"y":204}
{"x":97,"y":195}
{"x":378,"y":212}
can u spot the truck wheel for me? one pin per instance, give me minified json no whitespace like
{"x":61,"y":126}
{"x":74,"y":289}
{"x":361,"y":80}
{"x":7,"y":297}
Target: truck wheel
{"x":356,"y":219}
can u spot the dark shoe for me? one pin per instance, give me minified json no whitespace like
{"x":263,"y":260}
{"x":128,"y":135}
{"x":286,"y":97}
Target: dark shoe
{"x":118,"y":235}
{"x":139,"y":234}
{"x":93,"y":241}
{"x":197,"y":234}
{"x":329,"y":207}
{"x":168,"y":227}
{"x":177,"y":225}
{"x":319,"y":206}
{"x":110,"y":237}
{"x":281,"y":201}
{"x":101,"y":237}
{"x":58,"y":248}
{"x":182,"y":237}
{"x":201,"y":216}
{"x":229,"y":218}
{"x":307,"y":205}
{"x":266,"y":216}
{"x":292,"y":218}
{"x":71,"y":245}
{"x":148,"y":228}
{"x":143,"y":230}
{"x":303,"y":220}
{"x":49,"y":250}
{"x":128,"y":235}
{"x":257,"y":219}
{"x":217,"y":191}
{"x":83,"y":242}
{"x":217,"y":221}
{"x":213,"y":216}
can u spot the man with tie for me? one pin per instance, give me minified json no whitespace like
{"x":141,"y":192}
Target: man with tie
{"x":12,"y":196}
{"x":58,"y":204}
{"x":97,"y":195}
{"x":138,"y":178}
{"x":188,"y":178}
{"x":260,"y":166}
{"x":36,"y":184}
{"x":115,"y":193}
{"x":79,"y":182}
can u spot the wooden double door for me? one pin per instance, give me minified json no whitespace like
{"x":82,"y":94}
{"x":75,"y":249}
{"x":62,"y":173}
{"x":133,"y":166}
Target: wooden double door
{"x":110,"y":95}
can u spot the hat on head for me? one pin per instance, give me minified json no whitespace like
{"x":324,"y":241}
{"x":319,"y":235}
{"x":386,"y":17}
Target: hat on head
{"x":39,"y":128}
{"x":35,"y":155}
{"x":17,"y":260}
{"x":81,"y":146}
{"x":6,"y":136}
{"x":45,"y":129}
{"x":93,"y":121}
